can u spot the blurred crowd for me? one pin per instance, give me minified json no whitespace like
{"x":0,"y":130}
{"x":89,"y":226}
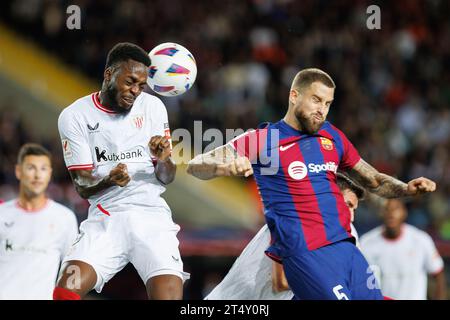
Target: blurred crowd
{"x":393,"y":85}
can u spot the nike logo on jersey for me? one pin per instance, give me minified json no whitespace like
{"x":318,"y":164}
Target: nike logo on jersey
{"x":9,"y":224}
{"x":284,"y":148}
{"x":176,"y":259}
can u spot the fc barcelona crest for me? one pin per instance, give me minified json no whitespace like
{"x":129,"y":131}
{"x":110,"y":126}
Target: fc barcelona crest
{"x":327,"y":144}
{"x":138,"y":121}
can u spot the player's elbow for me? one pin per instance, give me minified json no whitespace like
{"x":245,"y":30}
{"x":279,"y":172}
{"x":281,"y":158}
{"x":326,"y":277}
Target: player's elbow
{"x":198,"y":170}
{"x":167,"y":180}
{"x":190,"y":169}
{"x":82,"y":192}
{"x":279,"y":286}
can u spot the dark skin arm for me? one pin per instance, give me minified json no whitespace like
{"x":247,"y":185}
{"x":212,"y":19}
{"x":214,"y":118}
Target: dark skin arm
{"x":440,"y":291}
{"x":87,"y":185}
{"x":165,"y":168}
{"x":386,"y":186}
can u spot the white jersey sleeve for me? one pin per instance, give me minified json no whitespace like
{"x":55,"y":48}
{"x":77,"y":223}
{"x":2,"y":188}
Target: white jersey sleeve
{"x":433,"y":261}
{"x":160,"y":121}
{"x":75,"y":144}
{"x":355,"y":235}
{"x":71,"y":234}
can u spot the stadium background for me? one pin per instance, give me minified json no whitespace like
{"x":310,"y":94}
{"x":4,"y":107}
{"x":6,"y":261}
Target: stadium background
{"x":392,"y":99}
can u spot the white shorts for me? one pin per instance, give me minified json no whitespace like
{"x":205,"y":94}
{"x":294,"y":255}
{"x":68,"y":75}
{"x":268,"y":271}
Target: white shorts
{"x":147,"y":239}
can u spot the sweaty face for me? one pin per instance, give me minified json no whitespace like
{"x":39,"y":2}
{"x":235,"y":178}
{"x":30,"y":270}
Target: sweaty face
{"x":311,"y":106}
{"x":394,"y":214}
{"x":34,"y":174}
{"x":351,"y":200}
{"x":124,"y":84}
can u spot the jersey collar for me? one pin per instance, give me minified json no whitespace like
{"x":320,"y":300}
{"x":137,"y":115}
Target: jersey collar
{"x":98,"y":105}
{"x":322,"y":131}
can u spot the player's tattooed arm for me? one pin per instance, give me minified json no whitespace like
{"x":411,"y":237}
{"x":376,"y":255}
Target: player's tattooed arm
{"x":222,"y":161}
{"x":386,"y":186}
{"x":87,"y":185}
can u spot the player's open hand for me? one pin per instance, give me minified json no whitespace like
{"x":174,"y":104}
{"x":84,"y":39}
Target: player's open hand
{"x":160,"y":147}
{"x":421,"y":185}
{"x":119,"y":175}
{"x":240,"y":166}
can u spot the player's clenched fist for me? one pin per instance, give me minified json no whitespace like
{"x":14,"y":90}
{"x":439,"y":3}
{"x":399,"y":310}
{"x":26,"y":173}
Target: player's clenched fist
{"x":421,"y":185}
{"x":160,"y":147}
{"x":119,"y":175}
{"x":241,"y":166}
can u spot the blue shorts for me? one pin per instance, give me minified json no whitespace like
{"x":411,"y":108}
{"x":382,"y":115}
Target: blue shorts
{"x":337,"y":271}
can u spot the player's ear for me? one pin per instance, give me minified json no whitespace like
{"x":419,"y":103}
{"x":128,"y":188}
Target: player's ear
{"x":293,"y":95}
{"x":107,"y":74}
{"x":17,"y":171}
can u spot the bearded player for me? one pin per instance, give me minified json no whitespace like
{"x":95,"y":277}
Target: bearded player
{"x":117,"y":150}
{"x":254,"y":276}
{"x":294,"y":162}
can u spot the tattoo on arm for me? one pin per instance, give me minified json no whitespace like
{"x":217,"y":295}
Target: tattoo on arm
{"x":207,"y":166}
{"x":87,"y":185}
{"x":381,"y":184}
{"x":165,"y":171}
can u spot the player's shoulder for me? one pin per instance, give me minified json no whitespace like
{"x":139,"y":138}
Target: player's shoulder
{"x":147,"y":100}
{"x":61,"y":211}
{"x":5,"y":205}
{"x":327,"y":126}
{"x":78,"y":107}
{"x":371,"y":236}
{"x":416,"y":234}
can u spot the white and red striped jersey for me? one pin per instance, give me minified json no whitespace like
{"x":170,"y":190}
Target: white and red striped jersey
{"x":94,"y":137}
{"x":32,"y":245}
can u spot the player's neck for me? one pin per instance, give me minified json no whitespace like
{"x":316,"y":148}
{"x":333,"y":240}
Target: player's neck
{"x":392,"y":233}
{"x":31,"y":203}
{"x":104,"y":100}
{"x":292,"y":121}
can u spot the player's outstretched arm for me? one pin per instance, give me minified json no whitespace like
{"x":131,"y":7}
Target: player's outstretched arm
{"x":387,"y":186}
{"x":165,"y":168}
{"x":222,"y":161}
{"x":87,"y":185}
{"x":279,"y":281}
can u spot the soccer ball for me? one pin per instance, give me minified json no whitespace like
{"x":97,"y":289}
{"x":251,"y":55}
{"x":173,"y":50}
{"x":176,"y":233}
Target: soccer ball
{"x":173,"y":69}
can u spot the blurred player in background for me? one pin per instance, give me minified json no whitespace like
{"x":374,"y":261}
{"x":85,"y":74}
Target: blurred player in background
{"x":254,"y":276}
{"x":304,"y":210}
{"x":35,"y":231}
{"x":404,"y":256}
{"x":116,"y":146}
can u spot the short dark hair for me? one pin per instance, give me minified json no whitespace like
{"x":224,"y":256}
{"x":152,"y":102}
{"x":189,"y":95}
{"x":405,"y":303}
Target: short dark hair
{"x":125,"y":51}
{"x":345,"y":182}
{"x":306,"y":77}
{"x":32,"y":149}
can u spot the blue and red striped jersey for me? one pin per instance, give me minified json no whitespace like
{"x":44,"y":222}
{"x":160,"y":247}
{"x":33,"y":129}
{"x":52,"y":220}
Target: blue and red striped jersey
{"x":296,"y":177}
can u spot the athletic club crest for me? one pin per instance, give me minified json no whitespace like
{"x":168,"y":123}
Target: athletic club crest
{"x":327,"y":144}
{"x":138,"y":121}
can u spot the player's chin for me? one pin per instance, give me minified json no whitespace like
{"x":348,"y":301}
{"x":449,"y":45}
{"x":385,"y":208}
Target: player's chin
{"x":126,"y":106}
{"x":126,"y":103}
{"x":34,"y":192}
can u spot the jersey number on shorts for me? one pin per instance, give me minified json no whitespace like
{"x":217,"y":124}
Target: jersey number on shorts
{"x":339,"y":295}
